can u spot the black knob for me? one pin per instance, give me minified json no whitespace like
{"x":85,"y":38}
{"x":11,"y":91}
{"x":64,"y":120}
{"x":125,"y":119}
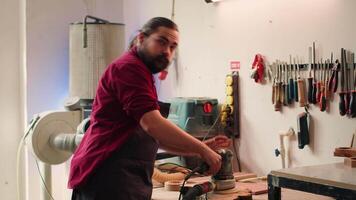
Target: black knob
{"x":277,"y":152}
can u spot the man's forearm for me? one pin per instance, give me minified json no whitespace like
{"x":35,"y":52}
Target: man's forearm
{"x":177,"y":150}
{"x":168,"y":134}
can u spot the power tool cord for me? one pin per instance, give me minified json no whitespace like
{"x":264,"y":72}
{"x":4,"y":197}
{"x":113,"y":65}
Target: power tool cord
{"x":212,"y":126}
{"x":200,"y":169}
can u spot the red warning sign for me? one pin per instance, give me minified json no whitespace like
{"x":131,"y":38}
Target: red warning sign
{"x":235,"y":65}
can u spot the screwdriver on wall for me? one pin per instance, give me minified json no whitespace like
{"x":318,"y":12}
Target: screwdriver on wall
{"x":281,"y":89}
{"x":277,"y":105}
{"x":334,"y":80}
{"x":285,"y":84}
{"x":328,"y":84}
{"x":341,"y":93}
{"x":281,"y":93}
{"x":291,"y":81}
{"x":327,"y":76}
{"x":287,"y":91}
{"x":301,"y":88}
{"x":353,"y":91}
{"x":314,"y":83}
{"x":318,"y":85}
{"x":322,"y":102}
{"x":347,"y":79}
{"x":296,"y":81}
{"x":310,"y":78}
{"x":274,"y":85}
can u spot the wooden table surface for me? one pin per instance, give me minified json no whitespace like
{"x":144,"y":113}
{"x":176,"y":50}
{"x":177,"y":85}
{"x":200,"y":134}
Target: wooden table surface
{"x":162,"y":194}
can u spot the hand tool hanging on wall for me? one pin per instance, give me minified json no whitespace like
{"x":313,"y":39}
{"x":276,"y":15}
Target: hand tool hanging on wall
{"x":285,"y":84}
{"x":274,"y":85}
{"x":310,"y":78}
{"x":315,"y":81}
{"x":291,"y":81}
{"x":295,"y":81}
{"x":281,"y":90}
{"x":277,"y":105}
{"x":286,"y":91}
{"x":303,"y":123}
{"x":269,"y":73}
{"x":342,"y":92}
{"x":352,"y":107}
{"x":258,"y":69}
{"x":301,"y":88}
{"x":334,"y":79}
{"x":347,"y":91}
{"x":322,"y":102}
{"x":332,"y":63}
{"x":318,"y":84}
{"x":327,"y":77}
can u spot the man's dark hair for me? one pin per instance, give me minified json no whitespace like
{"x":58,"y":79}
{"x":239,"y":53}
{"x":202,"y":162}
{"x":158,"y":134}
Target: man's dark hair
{"x":153,"y":24}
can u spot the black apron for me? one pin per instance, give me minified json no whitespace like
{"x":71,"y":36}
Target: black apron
{"x":126,"y":174}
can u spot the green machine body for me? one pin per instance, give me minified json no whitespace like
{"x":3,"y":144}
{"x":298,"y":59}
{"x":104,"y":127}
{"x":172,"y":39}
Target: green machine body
{"x":195,"y":115}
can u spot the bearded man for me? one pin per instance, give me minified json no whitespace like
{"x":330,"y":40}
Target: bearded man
{"x":116,"y":157}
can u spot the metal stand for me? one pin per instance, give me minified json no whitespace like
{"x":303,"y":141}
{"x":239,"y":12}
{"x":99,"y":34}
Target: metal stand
{"x":46,"y":190}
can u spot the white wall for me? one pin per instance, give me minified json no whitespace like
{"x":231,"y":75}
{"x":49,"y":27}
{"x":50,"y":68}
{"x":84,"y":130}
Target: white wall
{"x":214,"y":34}
{"x":11,"y":118}
{"x":47,"y":66}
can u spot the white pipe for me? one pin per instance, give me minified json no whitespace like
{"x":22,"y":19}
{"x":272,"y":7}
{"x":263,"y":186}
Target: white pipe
{"x":66,"y":141}
{"x":46,"y":172}
{"x":23,"y":169}
{"x":284,"y":151}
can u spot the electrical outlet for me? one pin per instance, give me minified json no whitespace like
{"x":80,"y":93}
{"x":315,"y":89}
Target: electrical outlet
{"x":230,"y":112}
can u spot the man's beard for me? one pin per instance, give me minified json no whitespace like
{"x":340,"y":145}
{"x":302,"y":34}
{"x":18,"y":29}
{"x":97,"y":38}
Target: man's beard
{"x":154,"y":63}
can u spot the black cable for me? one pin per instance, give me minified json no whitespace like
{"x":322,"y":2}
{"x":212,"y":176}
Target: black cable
{"x":200,"y":169}
{"x":171,"y":163}
{"x":181,"y":189}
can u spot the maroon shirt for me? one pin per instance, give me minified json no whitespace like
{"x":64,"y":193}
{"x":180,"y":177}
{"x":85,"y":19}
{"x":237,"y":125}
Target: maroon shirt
{"x":125,"y":92}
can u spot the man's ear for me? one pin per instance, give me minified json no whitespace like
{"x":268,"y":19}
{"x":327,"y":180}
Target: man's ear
{"x":140,"y":38}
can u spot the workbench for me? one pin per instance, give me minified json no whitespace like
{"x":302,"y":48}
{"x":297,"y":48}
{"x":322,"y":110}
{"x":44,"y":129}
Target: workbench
{"x":161,"y":194}
{"x":334,"y":180}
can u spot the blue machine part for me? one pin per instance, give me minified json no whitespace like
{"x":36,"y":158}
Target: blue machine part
{"x":195,"y":115}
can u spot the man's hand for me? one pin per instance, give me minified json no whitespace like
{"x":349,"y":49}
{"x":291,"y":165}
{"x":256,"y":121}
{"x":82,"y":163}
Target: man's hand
{"x":218,"y":142}
{"x":213,"y":159}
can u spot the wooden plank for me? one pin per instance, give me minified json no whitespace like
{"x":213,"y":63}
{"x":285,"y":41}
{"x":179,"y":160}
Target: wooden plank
{"x":255,"y":188}
{"x":345,"y":152}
